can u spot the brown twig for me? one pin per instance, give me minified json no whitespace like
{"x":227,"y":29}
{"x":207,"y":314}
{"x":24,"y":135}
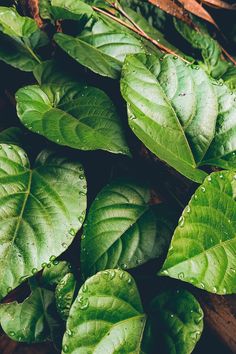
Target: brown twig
{"x":140,"y":33}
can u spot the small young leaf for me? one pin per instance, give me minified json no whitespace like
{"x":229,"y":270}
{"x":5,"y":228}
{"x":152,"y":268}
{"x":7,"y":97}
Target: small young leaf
{"x":202,"y":250}
{"x":73,"y":115}
{"x":39,"y":215}
{"x":65,"y":294}
{"x":210,"y":49}
{"x":52,"y":275}
{"x":32,"y":321}
{"x":175,"y":319}
{"x":123,"y":230}
{"x":20,"y":37}
{"x":106,"y":317}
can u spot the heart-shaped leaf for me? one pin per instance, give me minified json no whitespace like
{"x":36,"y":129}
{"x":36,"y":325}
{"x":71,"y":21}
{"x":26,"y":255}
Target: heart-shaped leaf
{"x":175,"y":319}
{"x":120,"y":229}
{"x":39,"y":215}
{"x":106,"y":317}
{"x":32,"y":321}
{"x":203,"y":248}
{"x":72,"y":114}
{"x":108,"y":44}
{"x":65,"y":294}
{"x":20,"y":38}
{"x":178,"y":112}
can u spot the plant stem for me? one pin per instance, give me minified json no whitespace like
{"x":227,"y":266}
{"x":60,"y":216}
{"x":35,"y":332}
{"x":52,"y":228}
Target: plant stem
{"x":33,"y":54}
{"x":140,"y":32}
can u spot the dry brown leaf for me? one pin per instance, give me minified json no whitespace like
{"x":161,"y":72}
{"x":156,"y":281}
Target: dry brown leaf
{"x":220,"y":4}
{"x":34,"y":8}
{"x":195,"y":8}
{"x":173,"y":9}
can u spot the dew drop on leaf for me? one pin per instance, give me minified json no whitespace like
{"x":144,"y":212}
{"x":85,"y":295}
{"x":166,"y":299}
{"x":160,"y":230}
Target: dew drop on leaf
{"x":181,"y":275}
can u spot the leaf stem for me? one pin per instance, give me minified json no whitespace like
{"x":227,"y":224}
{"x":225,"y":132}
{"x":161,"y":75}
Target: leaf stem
{"x":140,"y":32}
{"x":32,"y":53}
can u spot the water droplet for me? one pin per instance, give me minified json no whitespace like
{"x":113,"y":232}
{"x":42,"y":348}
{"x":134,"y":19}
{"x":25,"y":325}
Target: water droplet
{"x":68,"y":332}
{"x":209,"y":178}
{"x":44,"y":265}
{"x":129,"y":281}
{"x":188,"y":209}
{"x":165,"y":272}
{"x":81,"y":176}
{"x":55,"y":262}
{"x":83,"y":303}
{"x":203,"y":189}
{"x":221,"y":176}
{"x":172,"y":315}
{"x":64,"y":245}
{"x":58,"y":140}
{"x":85,"y":288}
{"x":195,"y":196}
{"x":12,"y":334}
{"x":122,"y":274}
{"x":182,"y":94}
{"x":83,"y":237}
{"x":202,"y":285}
{"x":181,"y":221}
{"x":124,"y":266}
{"x":65,"y":348}
{"x":52,"y":258}
{"x":34,"y":270}
{"x":138,"y":261}
{"x":224,"y":291}
{"x":9,"y":289}
{"x":175,"y":57}
{"x":233,"y":270}
{"x":181,"y":276}
{"x":72,"y":232}
{"x":10,"y":147}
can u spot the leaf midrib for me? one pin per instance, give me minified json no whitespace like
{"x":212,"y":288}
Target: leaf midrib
{"x":27,"y":193}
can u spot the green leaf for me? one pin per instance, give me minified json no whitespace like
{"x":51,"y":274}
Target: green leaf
{"x":210,"y":49}
{"x":70,"y":10}
{"x":39,"y":215}
{"x":123,"y":230}
{"x":65,"y":294}
{"x":230,"y":77}
{"x":73,"y":115}
{"x":107,"y":316}
{"x":32,"y":321}
{"x":53,"y":273}
{"x":176,"y":322}
{"x":222,"y":151}
{"x":52,"y":72}
{"x":202,"y":250}
{"x":20,"y":38}
{"x":102,"y":49}
{"x":168,"y":115}
{"x":12,"y":135}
